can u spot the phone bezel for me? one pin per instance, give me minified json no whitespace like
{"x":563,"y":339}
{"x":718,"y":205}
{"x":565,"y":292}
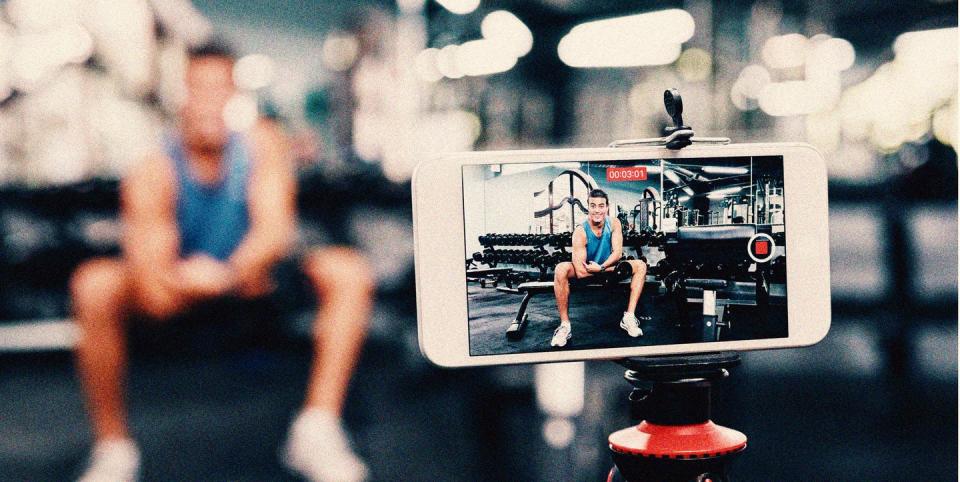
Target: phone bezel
{"x":441,"y":275}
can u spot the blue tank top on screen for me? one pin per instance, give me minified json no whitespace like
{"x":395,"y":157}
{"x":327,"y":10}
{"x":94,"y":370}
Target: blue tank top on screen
{"x":598,"y":249}
{"x":212,"y":218}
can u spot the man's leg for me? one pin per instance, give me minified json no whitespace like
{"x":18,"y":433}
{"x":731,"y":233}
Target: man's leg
{"x":636,"y":284}
{"x":629,"y":322}
{"x":561,"y":288}
{"x":99,"y":294}
{"x":102,"y":295}
{"x":344,"y":285}
{"x":317,"y":446}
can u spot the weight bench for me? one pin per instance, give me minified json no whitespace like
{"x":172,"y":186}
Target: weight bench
{"x":482,"y":274}
{"x":529,"y":290}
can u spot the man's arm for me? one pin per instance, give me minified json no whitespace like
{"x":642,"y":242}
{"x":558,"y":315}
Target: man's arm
{"x":271,"y":202}
{"x":616,"y":241}
{"x":579,"y":257}
{"x":150,"y":239}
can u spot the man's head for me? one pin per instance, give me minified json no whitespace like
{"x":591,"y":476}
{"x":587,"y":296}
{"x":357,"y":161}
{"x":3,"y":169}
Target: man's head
{"x":209,"y":85}
{"x":598,"y":205}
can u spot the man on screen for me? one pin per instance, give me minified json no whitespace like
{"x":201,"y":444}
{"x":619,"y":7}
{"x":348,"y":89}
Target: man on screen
{"x":597,"y":247}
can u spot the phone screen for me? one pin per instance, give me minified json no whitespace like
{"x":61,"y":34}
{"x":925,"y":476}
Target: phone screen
{"x":613,"y":254}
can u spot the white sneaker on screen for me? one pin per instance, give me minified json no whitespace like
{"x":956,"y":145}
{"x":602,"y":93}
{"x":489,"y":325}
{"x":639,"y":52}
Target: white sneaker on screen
{"x":318,"y":449}
{"x":631,"y":325}
{"x":113,"y":460}
{"x":561,"y":335}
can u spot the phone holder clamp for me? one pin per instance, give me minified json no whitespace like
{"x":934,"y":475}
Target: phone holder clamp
{"x":677,"y":136}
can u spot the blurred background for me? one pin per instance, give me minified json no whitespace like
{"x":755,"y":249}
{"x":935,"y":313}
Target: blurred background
{"x":365,"y":89}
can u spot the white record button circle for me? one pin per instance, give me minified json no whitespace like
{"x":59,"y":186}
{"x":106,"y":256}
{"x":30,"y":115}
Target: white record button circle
{"x":761,"y":247}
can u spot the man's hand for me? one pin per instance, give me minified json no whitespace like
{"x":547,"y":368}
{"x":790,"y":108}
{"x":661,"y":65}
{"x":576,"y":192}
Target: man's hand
{"x":204,"y":277}
{"x":593,"y":267}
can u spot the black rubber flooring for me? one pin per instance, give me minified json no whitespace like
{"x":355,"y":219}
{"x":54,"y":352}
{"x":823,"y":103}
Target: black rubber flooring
{"x":825,"y":412}
{"x":595,"y":321}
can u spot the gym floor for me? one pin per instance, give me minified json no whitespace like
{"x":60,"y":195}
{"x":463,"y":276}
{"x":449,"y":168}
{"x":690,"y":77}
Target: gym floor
{"x":595,"y":320}
{"x":821,"y":413}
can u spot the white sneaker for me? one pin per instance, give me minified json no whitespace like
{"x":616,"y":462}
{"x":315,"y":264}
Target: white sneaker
{"x":317,"y":449}
{"x":631,"y":325}
{"x":113,"y":460}
{"x":561,"y":335}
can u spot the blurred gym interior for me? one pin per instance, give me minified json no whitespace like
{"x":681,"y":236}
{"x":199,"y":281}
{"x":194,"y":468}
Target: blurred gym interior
{"x":365,"y":89}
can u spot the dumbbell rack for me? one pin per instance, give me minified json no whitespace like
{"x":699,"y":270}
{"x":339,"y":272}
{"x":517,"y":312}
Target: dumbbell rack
{"x":538,"y":257}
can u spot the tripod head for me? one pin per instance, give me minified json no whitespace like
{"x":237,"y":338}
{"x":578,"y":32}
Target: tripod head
{"x":680,"y":391}
{"x":676,"y":441}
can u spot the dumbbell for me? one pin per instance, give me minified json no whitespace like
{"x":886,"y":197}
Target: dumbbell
{"x":521,"y":256}
{"x":529,"y":256}
{"x":545,"y":260}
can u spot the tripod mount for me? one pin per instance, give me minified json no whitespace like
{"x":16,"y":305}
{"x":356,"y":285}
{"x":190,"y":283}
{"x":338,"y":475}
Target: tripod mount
{"x":676,"y":441}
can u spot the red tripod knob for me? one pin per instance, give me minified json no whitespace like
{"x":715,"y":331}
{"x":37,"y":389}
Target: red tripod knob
{"x":677,"y":441}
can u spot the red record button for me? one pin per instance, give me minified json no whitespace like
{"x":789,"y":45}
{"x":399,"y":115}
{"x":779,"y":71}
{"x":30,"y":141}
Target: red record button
{"x":761,"y":247}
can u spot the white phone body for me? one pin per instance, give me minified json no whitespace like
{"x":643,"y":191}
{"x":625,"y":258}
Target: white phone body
{"x":441,"y":274}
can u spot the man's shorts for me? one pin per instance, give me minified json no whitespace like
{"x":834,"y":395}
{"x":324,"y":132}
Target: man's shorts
{"x":229,"y":323}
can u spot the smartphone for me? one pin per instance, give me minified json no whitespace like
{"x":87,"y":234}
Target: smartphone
{"x":576,"y":254}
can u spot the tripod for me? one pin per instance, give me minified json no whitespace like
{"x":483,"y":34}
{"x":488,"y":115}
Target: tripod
{"x":676,"y":440}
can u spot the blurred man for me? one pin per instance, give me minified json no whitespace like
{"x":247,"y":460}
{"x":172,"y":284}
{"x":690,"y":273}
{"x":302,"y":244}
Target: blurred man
{"x":597,"y":247}
{"x":209,"y":217}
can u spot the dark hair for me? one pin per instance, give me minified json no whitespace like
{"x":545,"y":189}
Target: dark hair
{"x":599,"y":193}
{"x":211,"y":48}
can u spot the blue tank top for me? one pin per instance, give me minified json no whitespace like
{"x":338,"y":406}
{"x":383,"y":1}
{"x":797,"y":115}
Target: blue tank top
{"x":599,"y":249}
{"x":212,"y":218}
